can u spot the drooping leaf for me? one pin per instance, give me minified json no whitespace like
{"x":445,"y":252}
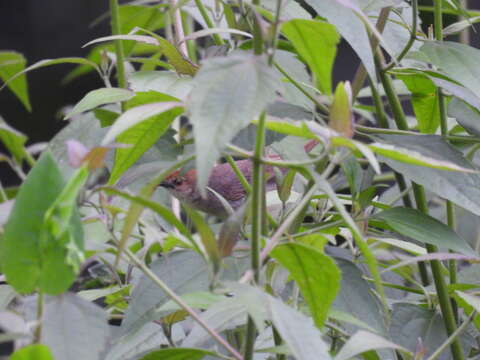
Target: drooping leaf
{"x":100,"y":97}
{"x":461,"y":188}
{"x":469,"y":303}
{"x":315,"y":273}
{"x":38,"y":261}
{"x":424,"y":228}
{"x":229,"y":92}
{"x":316,"y":42}
{"x":11,"y":63}
{"x":74,"y":328}
{"x":33,"y":352}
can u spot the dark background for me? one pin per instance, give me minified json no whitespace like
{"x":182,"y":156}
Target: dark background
{"x":47,"y":29}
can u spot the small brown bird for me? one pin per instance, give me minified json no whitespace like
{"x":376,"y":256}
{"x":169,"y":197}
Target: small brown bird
{"x":223,"y":181}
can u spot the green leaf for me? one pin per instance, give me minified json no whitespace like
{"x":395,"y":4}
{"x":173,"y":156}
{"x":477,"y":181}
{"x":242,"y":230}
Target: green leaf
{"x":424,"y":100}
{"x":288,"y":127}
{"x":364,"y":341}
{"x":466,"y":115}
{"x":166,"y":82}
{"x":33,"y":352}
{"x":74,"y":328}
{"x":469,"y":303}
{"x":29,"y":259}
{"x":229,"y":92}
{"x":207,"y":237}
{"x":13,"y":140}
{"x":316,"y":275}
{"x":11,"y":63}
{"x":413,"y":157}
{"x":106,"y":117}
{"x":340,"y":117}
{"x":100,"y":97}
{"x":140,"y":127}
{"x":350,"y":26}
{"x":316,"y":42}
{"x":298,"y":332}
{"x":424,"y":228}
{"x":178,"y":354}
{"x":461,"y":188}
{"x":458,"y":61}
{"x":459,"y":26}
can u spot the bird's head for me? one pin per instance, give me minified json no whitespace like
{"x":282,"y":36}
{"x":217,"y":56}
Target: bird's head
{"x":181,"y":185}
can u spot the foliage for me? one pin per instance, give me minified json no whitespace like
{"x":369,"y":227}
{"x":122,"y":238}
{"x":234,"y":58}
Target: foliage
{"x":359,"y":244}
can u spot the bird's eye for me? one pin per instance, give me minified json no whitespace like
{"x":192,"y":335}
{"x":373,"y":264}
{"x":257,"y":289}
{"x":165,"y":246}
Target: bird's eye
{"x":177,"y":181}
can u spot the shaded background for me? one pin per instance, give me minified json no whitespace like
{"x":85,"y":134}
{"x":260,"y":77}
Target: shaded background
{"x":46,"y":29}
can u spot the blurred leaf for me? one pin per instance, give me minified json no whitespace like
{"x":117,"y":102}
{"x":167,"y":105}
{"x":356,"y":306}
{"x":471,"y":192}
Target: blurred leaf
{"x":12,"y":63}
{"x":33,"y":352}
{"x":424,"y":228}
{"x":316,"y":42}
{"x":106,"y":117}
{"x":424,"y":100}
{"x":459,"y":26}
{"x":166,"y":82}
{"x":13,"y":140}
{"x":285,"y":184}
{"x":178,"y":354}
{"x":456,"y":60}
{"x":302,"y":337}
{"x":229,"y":92}
{"x":149,"y":117}
{"x":74,"y":328}
{"x":364,"y":341}
{"x":207,"y":237}
{"x":466,"y":115}
{"x":469,"y":303}
{"x":461,"y":188}
{"x":288,"y":127}
{"x":230,"y":232}
{"x":39,"y":261}
{"x":315,"y":273}
{"x":100,"y":97}
{"x":341,"y":116}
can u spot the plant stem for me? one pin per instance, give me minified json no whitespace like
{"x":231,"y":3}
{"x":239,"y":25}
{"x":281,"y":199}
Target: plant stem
{"x":275,"y":33}
{"x":119,"y":51}
{"x":37,"y":336}
{"x":178,"y":26}
{"x":203,"y":11}
{"x":179,"y":301}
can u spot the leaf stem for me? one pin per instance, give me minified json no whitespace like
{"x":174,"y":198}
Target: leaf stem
{"x":37,"y":336}
{"x":203,"y":11}
{"x":119,"y":51}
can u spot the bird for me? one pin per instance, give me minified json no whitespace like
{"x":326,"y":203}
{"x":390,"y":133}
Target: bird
{"x":223,"y":181}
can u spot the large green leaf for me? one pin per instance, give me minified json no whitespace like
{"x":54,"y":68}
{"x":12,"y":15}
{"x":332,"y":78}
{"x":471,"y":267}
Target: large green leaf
{"x":316,"y":275}
{"x":229,"y":92}
{"x":149,"y":117}
{"x":350,"y":26}
{"x":13,"y":140}
{"x":424,"y":228}
{"x":424,"y":100}
{"x":75,"y":328}
{"x":461,"y":188}
{"x":458,"y":61}
{"x":316,"y":42}
{"x":31,"y":257}
{"x":11,"y":63}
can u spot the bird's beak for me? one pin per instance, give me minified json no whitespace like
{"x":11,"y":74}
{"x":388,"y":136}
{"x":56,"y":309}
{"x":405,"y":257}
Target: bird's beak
{"x":167,"y":185}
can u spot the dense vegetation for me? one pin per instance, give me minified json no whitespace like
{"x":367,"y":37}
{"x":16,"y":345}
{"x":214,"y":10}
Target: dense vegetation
{"x":367,"y":247}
